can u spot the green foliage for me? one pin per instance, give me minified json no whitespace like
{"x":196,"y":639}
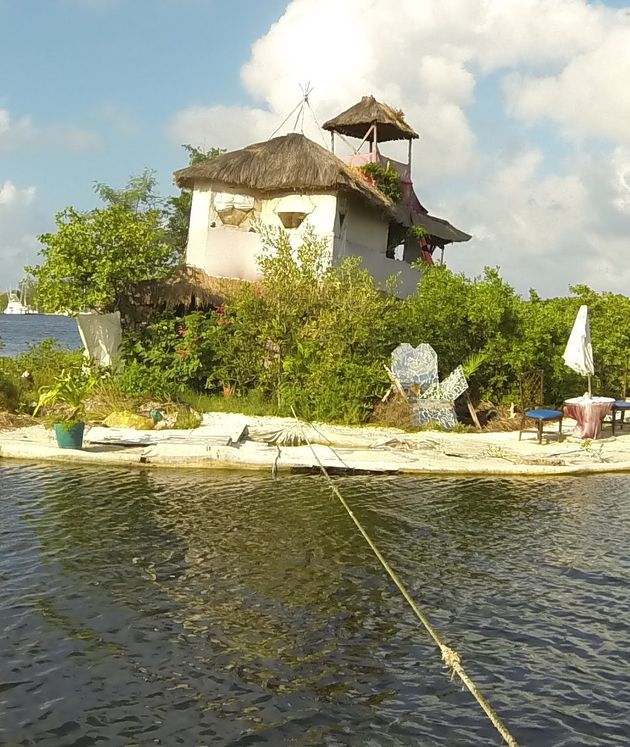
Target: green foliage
{"x":312,"y":337}
{"x":38,"y":367}
{"x":94,"y":257}
{"x":460,"y":317}
{"x":138,"y":194}
{"x":315,"y":337}
{"x":251,"y":403}
{"x":9,"y":393}
{"x":170,"y":355}
{"x":386,"y":178}
{"x":4,"y":302}
{"x":610,"y":329}
{"x":67,"y":396}
{"x":417,"y":232}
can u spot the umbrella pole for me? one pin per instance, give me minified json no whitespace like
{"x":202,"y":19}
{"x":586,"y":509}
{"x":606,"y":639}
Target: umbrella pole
{"x":589,"y":386}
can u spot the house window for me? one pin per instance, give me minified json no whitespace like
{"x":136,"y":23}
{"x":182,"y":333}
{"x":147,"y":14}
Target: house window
{"x":232,"y":209}
{"x":292,"y":210}
{"x":291,"y":219}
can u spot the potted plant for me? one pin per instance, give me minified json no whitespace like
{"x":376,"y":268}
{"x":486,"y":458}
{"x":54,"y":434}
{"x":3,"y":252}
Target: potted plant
{"x":67,"y":397}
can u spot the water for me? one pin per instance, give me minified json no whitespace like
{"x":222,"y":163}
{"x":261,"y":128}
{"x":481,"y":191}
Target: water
{"x":201,"y":608}
{"x":19,"y":330}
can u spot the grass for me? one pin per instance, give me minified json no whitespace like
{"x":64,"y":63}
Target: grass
{"x":253,"y":403}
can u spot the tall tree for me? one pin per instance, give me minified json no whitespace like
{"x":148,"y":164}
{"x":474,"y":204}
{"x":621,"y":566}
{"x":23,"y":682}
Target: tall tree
{"x":137,"y":195}
{"x":96,"y":256}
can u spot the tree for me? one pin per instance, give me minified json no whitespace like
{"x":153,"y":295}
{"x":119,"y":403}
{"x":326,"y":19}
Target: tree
{"x":96,"y":256}
{"x":138,"y":195}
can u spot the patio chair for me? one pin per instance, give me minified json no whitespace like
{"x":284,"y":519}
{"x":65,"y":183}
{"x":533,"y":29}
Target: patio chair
{"x":532,"y":408}
{"x":622,"y":406}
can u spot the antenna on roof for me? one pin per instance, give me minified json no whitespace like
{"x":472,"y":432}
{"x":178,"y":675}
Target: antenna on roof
{"x":300,"y":108}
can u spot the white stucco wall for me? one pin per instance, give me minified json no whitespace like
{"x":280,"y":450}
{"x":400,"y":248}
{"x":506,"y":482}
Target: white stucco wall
{"x":231,"y":252}
{"x":366,"y":228}
{"x":227,"y":251}
{"x":364,"y":234}
{"x":198,"y":227}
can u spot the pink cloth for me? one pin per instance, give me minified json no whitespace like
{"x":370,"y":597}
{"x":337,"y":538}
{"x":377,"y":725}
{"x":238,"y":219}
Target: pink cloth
{"x":589,"y":414}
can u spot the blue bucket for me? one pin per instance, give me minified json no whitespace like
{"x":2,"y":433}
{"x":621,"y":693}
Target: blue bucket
{"x":69,"y":436}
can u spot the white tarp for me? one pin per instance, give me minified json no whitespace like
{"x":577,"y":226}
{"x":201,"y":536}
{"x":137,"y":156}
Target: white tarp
{"x":101,"y":335}
{"x":578,"y":354}
{"x":227,"y":200}
{"x":212,"y":430}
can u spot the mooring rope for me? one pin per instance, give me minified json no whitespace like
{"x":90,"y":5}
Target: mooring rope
{"x":450,"y":658}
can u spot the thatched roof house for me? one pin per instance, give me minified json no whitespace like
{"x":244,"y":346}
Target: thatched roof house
{"x":290,"y":182}
{"x":357,"y":120}
{"x":290,"y":164}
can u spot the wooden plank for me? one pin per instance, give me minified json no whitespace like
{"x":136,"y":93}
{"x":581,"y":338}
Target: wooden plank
{"x":472,"y":412}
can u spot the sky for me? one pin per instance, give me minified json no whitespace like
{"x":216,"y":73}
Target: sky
{"x":523,"y":110}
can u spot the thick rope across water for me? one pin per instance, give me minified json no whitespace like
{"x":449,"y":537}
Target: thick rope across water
{"x":450,"y":658}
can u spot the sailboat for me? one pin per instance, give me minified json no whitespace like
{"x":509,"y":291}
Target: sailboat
{"x":17,"y":302}
{"x":15,"y":305}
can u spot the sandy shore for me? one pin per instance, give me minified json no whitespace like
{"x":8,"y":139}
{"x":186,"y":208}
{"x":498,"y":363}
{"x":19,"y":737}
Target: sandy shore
{"x":239,"y":442}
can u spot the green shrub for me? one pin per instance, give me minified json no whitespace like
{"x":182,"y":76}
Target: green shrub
{"x":386,"y":178}
{"x":41,"y":364}
{"x":312,"y":337}
{"x":9,"y":394}
{"x":170,"y":355}
{"x":316,"y":338}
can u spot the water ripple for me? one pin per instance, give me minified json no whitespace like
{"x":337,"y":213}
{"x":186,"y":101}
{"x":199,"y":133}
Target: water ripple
{"x":141,"y":607}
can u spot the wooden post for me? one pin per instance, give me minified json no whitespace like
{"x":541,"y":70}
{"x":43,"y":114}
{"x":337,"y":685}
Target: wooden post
{"x":409,"y":158}
{"x":375,"y":139}
{"x":472,"y":411}
{"x":332,"y":142}
{"x":395,"y":383}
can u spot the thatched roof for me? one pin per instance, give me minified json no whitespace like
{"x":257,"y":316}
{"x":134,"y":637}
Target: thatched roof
{"x":288,"y":164}
{"x":356,"y":121}
{"x":187,"y":288}
{"x":440,"y":229}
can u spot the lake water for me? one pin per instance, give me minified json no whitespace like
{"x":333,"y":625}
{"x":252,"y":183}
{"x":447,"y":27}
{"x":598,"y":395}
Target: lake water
{"x":216,"y":608}
{"x":19,"y":330}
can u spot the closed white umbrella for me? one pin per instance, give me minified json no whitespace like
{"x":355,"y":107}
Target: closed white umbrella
{"x":578,"y":354}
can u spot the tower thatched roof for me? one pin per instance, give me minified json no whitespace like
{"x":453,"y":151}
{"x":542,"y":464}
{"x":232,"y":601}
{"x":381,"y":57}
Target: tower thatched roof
{"x":440,"y":229}
{"x":283,"y":165}
{"x":356,"y":121}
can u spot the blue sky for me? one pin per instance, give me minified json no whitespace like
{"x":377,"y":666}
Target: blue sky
{"x":519,"y":105}
{"x":118,"y":71}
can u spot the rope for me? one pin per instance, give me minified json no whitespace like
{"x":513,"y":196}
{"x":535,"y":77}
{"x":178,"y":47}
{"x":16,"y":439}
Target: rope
{"x":286,"y":119}
{"x":450,"y":658}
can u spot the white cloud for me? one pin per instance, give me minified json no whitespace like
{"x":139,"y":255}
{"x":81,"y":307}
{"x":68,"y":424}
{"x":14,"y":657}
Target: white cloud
{"x":22,"y":133}
{"x":548,"y":231}
{"x":562,"y":62}
{"x":589,"y":97}
{"x":221,"y":126}
{"x":10,"y":195}
{"x":19,"y":218}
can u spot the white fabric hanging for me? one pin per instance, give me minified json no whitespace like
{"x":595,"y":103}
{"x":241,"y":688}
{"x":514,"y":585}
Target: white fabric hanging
{"x":227,"y":200}
{"x":578,"y":354}
{"x":101,"y":335}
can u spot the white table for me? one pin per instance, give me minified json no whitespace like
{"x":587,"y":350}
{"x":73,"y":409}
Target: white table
{"x":589,"y":414}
